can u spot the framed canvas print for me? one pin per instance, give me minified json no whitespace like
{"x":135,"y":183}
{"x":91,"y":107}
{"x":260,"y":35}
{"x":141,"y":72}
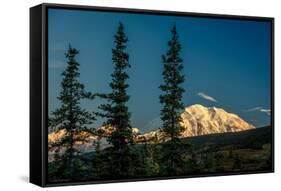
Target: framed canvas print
{"x":128,"y":95}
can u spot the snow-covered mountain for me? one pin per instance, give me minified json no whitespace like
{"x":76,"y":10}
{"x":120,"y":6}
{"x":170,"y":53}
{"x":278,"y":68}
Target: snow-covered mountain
{"x":200,"y":120}
{"x":196,"y":120}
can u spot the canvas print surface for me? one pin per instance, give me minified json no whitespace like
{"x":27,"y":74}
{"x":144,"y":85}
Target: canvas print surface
{"x":138,"y":96}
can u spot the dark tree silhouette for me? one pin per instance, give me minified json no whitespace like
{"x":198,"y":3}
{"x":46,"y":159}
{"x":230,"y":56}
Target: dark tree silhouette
{"x":70,"y":116}
{"x":171,"y":99}
{"x":116,"y":110}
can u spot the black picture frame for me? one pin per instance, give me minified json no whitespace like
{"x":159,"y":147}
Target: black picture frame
{"x":39,"y":90}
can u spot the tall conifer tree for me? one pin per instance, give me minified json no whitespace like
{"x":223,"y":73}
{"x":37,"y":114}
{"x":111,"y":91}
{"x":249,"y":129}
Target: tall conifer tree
{"x":116,"y":110}
{"x":171,"y":99}
{"x":70,"y":116}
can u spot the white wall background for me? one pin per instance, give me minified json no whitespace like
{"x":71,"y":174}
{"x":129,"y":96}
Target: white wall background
{"x":14,"y":94}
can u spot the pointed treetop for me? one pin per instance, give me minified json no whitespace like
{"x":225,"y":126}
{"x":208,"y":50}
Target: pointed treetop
{"x":174,"y":28}
{"x":120,"y":36}
{"x":121,"y":26}
{"x":71,"y":51}
{"x":174,"y":33}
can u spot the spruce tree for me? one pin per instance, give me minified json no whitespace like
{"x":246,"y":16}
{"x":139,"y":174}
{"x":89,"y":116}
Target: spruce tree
{"x":97,"y":160}
{"x":171,"y":99}
{"x":70,"y":116}
{"x":150,"y":160}
{"x":116,"y":110}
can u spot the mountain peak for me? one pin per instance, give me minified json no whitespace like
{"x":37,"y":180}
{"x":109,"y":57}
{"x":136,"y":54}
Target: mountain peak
{"x":196,"y":106}
{"x":196,"y":120}
{"x":200,"y":120}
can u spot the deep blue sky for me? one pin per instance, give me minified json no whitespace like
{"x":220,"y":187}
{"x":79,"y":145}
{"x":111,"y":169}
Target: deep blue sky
{"x":228,"y":60}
